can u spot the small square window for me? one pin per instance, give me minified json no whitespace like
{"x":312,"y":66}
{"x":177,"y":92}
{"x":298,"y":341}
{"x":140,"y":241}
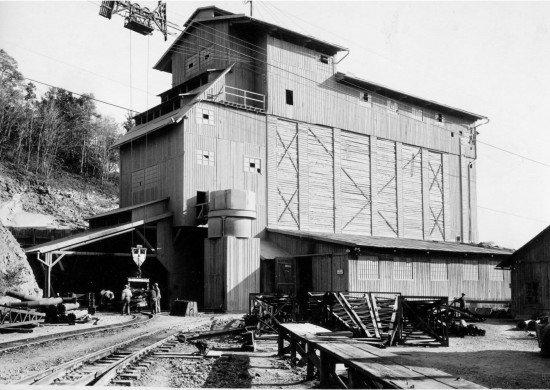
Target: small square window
{"x":190,"y":65}
{"x":324,"y":59}
{"x":289,"y":97}
{"x":392,"y":106}
{"x":252,"y":165}
{"x":206,"y":56}
{"x":205,"y":117}
{"x":365,"y":96}
{"x":205,"y":157}
{"x":439,"y":117}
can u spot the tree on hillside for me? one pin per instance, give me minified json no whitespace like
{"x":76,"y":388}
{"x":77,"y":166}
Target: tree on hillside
{"x":56,"y":131}
{"x":129,"y":122}
{"x":12,"y":95}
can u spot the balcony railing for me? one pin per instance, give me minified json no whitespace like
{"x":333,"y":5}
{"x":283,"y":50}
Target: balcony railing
{"x":242,"y":98}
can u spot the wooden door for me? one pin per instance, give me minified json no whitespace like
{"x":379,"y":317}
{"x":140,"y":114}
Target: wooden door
{"x":285,"y":276}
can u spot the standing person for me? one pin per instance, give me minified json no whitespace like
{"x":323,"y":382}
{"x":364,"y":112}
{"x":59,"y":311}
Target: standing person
{"x":461,"y":301}
{"x":126,"y":297}
{"x":157,"y":289}
{"x":153,"y":300}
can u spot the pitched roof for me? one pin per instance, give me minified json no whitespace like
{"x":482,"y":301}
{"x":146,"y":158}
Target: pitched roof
{"x":394,"y":243}
{"x":518,"y":253}
{"x":201,"y":16}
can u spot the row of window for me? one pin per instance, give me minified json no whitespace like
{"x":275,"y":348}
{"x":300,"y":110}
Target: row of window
{"x":208,"y":158}
{"x":367,"y":99}
{"x":403,"y":269}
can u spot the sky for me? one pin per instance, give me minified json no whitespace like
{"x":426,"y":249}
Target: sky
{"x":490,"y":58}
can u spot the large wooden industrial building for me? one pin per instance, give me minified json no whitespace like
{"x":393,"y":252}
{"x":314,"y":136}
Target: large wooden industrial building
{"x":323,"y":180}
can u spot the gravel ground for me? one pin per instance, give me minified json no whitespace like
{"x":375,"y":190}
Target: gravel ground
{"x":23,"y":362}
{"x":504,"y":358}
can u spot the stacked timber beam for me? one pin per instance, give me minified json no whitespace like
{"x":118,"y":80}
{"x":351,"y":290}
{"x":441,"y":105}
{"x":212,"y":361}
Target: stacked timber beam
{"x":49,"y":310}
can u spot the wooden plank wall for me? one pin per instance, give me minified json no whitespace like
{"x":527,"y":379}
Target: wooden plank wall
{"x":356,"y":197}
{"x":532,"y":265}
{"x":411,"y":176}
{"x":422,"y":283}
{"x":318,"y":98}
{"x":243,"y":271}
{"x":231,"y":271}
{"x":323,"y":272}
{"x":321,"y":178}
{"x":148,"y":168}
{"x":374,"y":186}
{"x":235,"y":135}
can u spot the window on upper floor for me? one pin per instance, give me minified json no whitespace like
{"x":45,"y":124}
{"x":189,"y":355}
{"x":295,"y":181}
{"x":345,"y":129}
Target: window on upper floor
{"x":324,"y":59}
{"x":365,"y":99}
{"x":392,"y":106}
{"x":205,"y":117}
{"x":252,"y":164}
{"x":439,"y":117}
{"x":206,"y":157}
{"x":289,"y":97}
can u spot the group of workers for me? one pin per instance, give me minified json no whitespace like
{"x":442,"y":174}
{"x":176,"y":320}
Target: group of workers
{"x":153,"y":297}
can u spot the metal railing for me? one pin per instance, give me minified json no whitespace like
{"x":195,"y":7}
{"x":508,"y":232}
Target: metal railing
{"x":241,"y":97}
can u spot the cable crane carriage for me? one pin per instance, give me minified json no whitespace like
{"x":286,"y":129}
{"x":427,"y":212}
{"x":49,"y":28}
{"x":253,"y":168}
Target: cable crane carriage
{"x":137,"y":18}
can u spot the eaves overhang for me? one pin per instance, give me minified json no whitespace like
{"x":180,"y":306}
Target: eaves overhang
{"x":401,"y":244}
{"x":362,"y":84}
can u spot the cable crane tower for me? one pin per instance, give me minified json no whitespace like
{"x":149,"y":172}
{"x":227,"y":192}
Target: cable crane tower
{"x":137,"y":18}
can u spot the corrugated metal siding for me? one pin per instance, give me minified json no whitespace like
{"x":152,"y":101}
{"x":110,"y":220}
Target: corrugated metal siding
{"x":288,"y":215}
{"x":321,"y":178}
{"x":385,"y":219}
{"x":411,"y":169}
{"x":436,"y":221}
{"x":355,"y":183}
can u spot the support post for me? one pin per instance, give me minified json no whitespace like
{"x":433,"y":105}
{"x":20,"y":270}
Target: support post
{"x":48,"y":281}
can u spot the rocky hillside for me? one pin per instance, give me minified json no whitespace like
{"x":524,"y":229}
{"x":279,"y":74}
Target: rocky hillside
{"x":15,"y":272}
{"x":26,"y":200}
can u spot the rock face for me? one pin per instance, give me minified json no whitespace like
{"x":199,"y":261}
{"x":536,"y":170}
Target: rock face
{"x":15,"y":271}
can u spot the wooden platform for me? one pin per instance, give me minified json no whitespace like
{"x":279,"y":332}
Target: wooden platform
{"x":367,"y":365}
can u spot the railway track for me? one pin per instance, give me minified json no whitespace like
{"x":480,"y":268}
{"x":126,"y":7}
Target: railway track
{"x":140,"y":318}
{"x":124,"y":360}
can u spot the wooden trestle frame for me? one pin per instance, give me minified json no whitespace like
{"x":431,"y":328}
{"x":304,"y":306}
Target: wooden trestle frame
{"x":385,"y":317}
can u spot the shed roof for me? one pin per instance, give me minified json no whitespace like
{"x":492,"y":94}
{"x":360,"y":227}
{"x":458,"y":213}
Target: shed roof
{"x":395,"y":243}
{"x":507,"y":263}
{"x":91,"y":235}
{"x":169,"y":118}
{"x":212,"y":14}
{"x":403,"y":96}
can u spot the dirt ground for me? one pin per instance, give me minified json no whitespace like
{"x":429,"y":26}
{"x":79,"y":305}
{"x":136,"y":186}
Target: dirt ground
{"x":504,"y":358}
